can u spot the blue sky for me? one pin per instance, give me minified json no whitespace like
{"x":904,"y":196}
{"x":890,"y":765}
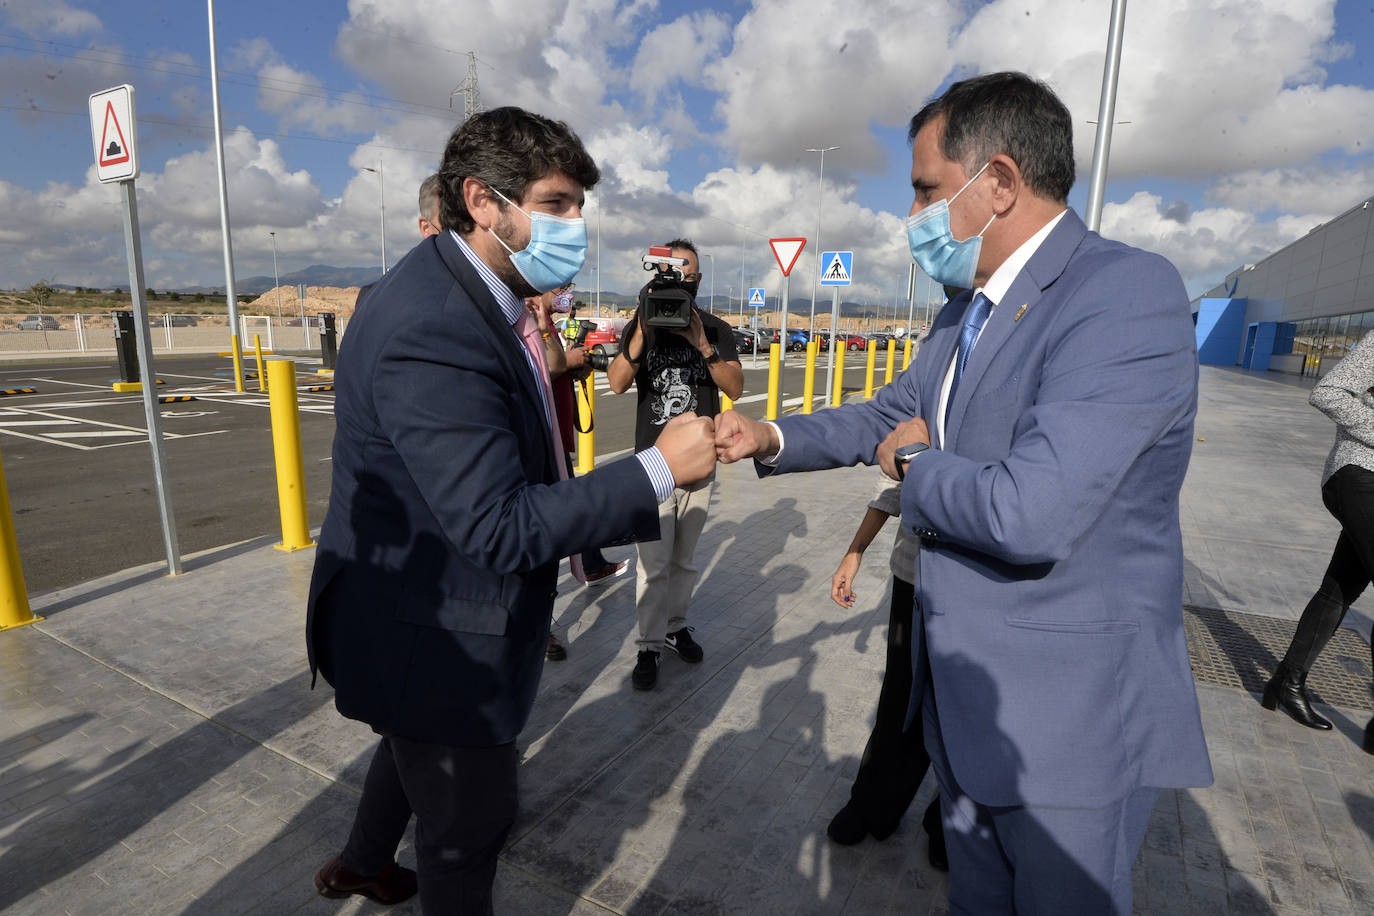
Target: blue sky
{"x":1250,"y":122}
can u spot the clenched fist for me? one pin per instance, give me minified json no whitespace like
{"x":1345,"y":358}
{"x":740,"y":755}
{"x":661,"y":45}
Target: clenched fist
{"x":738,"y":437}
{"x":688,"y":444}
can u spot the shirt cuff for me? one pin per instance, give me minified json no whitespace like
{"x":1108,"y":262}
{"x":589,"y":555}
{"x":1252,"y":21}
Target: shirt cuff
{"x":772,"y":460}
{"x":651,"y":459}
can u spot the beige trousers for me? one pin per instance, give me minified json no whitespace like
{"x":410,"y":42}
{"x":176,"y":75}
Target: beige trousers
{"x":666,"y":573}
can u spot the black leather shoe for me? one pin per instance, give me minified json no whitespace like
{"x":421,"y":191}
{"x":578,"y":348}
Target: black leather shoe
{"x":555,"y":651}
{"x":392,"y":884}
{"x":936,"y":854}
{"x":847,"y":827}
{"x":1287,"y":690}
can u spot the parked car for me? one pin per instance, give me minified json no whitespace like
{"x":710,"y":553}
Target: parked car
{"x":854,"y":341}
{"x":746,"y":341}
{"x":38,"y":323}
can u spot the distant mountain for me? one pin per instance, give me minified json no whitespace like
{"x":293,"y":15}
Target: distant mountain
{"x":314,"y":275}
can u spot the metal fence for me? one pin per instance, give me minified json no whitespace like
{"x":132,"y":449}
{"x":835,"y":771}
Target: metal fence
{"x":80,"y":333}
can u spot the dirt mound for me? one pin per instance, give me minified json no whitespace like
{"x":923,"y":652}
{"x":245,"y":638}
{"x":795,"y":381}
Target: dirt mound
{"x":339,"y":300}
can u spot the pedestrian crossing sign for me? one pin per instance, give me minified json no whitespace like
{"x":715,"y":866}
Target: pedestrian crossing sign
{"x":837,"y":268}
{"x":756,"y":296}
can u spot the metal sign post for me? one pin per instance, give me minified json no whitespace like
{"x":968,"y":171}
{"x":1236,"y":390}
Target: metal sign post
{"x":837,"y":269}
{"x":112,"y":116}
{"x":787,"y":251}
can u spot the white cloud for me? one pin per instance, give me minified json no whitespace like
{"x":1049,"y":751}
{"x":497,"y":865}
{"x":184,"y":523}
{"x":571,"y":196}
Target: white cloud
{"x":50,"y":17}
{"x":807,"y":73}
{"x":671,"y":54}
{"x":1203,"y":244}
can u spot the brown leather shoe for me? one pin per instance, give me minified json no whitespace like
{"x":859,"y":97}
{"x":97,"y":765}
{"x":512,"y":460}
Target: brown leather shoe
{"x":392,"y":884}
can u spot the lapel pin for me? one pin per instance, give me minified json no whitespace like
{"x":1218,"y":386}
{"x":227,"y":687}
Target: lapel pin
{"x":1021,"y":311}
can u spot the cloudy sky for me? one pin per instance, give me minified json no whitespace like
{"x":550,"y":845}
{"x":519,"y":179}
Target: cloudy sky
{"x":1244,"y":123}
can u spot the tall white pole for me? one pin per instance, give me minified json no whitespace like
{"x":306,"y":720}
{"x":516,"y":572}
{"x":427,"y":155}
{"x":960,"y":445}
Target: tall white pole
{"x":276,"y":281}
{"x":230,"y":292}
{"x":1106,"y":111}
{"x":598,"y":260}
{"x":743,"y":239}
{"x":712,"y":306}
{"x":382,"y":191}
{"x":820,"y":187}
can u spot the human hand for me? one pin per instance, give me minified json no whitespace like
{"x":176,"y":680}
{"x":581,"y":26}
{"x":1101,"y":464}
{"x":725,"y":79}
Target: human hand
{"x":687,"y":444}
{"x":905,"y":433}
{"x":694,"y":332}
{"x":737,"y":436}
{"x":842,"y":583}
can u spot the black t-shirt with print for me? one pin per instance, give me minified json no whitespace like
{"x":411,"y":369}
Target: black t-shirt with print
{"x":673,"y":377}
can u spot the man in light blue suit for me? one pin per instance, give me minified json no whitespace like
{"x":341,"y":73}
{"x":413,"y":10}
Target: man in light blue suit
{"x":1042,"y":433}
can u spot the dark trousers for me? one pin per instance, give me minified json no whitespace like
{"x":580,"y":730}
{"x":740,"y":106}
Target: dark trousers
{"x":464,"y":801}
{"x":1349,"y":496}
{"x":895,"y":759}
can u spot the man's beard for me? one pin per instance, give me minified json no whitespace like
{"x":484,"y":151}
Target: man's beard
{"x":505,"y":270}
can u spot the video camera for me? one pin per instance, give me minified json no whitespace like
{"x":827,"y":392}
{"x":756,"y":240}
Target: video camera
{"x":663,"y":301}
{"x":598,"y":356}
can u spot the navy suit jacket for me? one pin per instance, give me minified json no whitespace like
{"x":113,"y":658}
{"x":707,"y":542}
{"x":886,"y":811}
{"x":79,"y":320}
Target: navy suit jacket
{"x":1050,"y":576}
{"x":435,"y":575}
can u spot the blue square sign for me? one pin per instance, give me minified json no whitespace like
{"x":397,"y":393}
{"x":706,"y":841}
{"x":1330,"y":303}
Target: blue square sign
{"x":837,"y":268}
{"x":756,"y":297}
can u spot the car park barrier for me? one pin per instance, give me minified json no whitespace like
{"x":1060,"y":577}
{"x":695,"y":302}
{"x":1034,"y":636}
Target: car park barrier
{"x":286,"y":444}
{"x":809,"y":388}
{"x":774,"y":357}
{"x":837,"y":395}
{"x":891,"y":361}
{"x":329,"y":342}
{"x":586,"y":415}
{"x":868,"y":373}
{"x":14,"y":597}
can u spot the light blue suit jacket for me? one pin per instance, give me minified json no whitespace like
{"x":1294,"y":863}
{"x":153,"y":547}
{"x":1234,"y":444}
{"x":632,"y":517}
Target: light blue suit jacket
{"x":1050,"y":578}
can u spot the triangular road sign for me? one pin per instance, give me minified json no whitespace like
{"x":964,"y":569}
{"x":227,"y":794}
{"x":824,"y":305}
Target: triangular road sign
{"x":113,"y":148}
{"x":756,"y":296}
{"x":787,"y":251}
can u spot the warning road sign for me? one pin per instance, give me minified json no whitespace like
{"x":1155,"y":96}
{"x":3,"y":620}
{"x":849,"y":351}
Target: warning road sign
{"x":837,"y":268}
{"x":113,"y":133}
{"x":787,"y":251}
{"x":756,"y":297}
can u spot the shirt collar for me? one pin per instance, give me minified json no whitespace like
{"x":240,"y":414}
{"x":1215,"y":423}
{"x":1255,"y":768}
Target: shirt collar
{"x":1001,"y":278}
{"x":511,"y":305}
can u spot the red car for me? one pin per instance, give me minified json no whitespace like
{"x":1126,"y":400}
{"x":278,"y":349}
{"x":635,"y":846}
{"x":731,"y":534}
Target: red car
{"x":854,"y":342}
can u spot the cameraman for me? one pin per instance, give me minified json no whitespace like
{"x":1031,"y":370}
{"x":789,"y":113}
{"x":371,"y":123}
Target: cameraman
{"x":674,"y":371}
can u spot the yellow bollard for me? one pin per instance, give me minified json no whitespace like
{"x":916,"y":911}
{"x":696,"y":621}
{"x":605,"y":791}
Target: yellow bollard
{"x":586,"y":413}
{"x":286,"y":443}
{"x":238,"y":362}
{"x":868,"y":373}
{"x":257,"y":348}
{"x":837,"y":395}
{"x":809,"y":387}
{"x":726,"y":403}
{"x":891,"y":361}
{"x":906,"y":354}
{"x":774,"y":395}
{"x":14,"y":597}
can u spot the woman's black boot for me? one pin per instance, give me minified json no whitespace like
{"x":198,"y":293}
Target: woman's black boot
{"x":1287,"y":689}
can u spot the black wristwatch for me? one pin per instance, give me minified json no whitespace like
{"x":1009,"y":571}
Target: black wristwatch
{"x":904,"y":455}
{"x":714,"y":357}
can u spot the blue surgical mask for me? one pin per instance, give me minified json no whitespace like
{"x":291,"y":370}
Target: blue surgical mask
{"x":933,"y":245}
{"x":556,"y":250}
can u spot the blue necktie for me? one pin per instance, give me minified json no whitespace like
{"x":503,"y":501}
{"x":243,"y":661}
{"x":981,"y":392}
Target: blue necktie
{"x":977,"y":316}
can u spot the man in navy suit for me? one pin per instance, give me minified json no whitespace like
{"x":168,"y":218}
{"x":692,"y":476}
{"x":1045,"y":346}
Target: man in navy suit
{"x":1042,"y":434}
{"x":433,"y":587}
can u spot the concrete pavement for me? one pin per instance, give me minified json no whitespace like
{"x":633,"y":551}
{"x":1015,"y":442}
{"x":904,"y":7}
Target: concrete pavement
{"x":160,"y":750}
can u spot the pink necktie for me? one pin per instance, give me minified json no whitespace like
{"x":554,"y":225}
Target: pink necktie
{"x":528,"y":329}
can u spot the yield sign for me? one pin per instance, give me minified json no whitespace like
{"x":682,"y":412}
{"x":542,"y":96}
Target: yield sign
{"x":113,"y":134}
{"x":787,"y":251}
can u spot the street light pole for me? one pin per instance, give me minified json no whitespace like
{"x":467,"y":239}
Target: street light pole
{"x":815,"y":282}
{"x":1106,"y":109}
{"x":381,"y":191}
{"x":275,"y":280}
